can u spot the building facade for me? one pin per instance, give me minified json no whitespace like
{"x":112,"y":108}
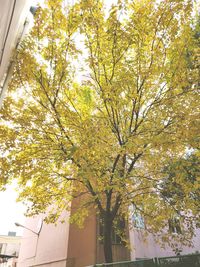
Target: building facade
{"x":9,"y":249}
{"x":14,"y":22}
{"x":66,"y":245}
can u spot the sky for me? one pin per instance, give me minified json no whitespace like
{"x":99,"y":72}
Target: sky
{"x":11,"y":212}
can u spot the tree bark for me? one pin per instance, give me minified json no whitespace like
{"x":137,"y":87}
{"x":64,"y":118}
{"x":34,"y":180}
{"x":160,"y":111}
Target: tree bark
{"x":107,"y":227}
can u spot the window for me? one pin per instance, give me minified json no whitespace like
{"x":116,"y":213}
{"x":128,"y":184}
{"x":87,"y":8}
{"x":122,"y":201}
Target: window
{"x":136,"y":218}
{"x":174,"y":225}
{"x":120,"y":227}
{"x":116,"y":237}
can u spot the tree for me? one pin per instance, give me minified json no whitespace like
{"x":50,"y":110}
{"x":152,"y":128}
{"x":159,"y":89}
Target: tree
{"x":184,"y":169}
{"x":100,"y":100}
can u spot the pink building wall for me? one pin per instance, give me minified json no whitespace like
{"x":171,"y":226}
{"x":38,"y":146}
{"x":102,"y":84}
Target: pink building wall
{"x":150,"y":249}
{"x":61,"y":245}
{"x":66,"y":245}
{"x":47,"y":249}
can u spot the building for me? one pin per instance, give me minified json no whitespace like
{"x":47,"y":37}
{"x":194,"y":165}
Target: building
{"x":66,"y":245}
{"x":146,"y":246}
{"x":14,"y":22}
{"x":9,"y":249}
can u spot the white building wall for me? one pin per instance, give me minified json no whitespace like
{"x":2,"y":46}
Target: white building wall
{"x":10,"y":245}
{"x":13,"y":15}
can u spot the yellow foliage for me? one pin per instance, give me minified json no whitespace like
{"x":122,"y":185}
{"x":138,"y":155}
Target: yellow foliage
{"x":99,"y":103}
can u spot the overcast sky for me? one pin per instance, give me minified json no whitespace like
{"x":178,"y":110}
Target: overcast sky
{"x":11,"y":212}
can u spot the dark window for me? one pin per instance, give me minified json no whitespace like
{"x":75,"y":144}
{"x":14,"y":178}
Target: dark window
{"x":174,"y":225}
{"x":117,"y":231}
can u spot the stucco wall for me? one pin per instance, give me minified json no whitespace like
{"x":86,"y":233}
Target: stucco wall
{"x":20,"y":12}
{"x":67,"y":245}
{"x":151,"y":249}
{"x":47,"y":249}
{"x":82,"y":243}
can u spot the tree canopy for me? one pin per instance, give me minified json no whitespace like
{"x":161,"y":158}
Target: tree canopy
{"x":101,"y":99}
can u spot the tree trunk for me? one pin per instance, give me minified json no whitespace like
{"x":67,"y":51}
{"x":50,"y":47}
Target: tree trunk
{"x":108,"y":239}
